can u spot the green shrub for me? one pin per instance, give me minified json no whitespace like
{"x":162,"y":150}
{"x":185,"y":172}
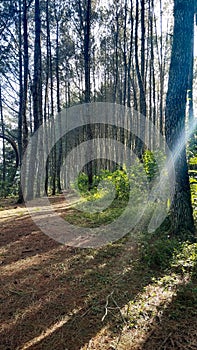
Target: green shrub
{"x":134,"y":180}
{"x":185,"y":257}
{"x":150,"y":165}
{"x":121,"y":182}
{"x":81,"y":183}
{"x":159,"y":251}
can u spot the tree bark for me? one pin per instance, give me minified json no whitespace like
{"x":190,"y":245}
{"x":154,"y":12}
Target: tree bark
{"x":23,"y":83}
{"x":25,"y":77}
{"x":87,"y":45}
{"x":37,"y":83}
{"x":140,"y":77}
{"x":3,"y":137}
{"x":37,"y":108}
{"x":181,"y":208}
{"x":59,"y":149}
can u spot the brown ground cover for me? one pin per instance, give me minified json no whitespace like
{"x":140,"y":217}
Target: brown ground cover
{"x":65,"y":298}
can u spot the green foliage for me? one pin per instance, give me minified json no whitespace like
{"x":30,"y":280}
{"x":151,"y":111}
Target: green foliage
{"x":4,"y":186}
{"x":7,"y":187}
{"x":163,"y":251}
{"x":119,"y":179}
{"x":158,"y":252}
{"x":133,"y":181}
{"x":124,"y":184}
{"x":81,"y":183}
{"x":150,"y":165}
{"x":193,"y":186}
{"x":192,"y":149}
{"x":193,"y":160}
{"x":185,"y":257}
{"x":95,"y":219}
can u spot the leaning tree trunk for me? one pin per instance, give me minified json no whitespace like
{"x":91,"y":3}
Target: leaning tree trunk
{"x":181,"y":208}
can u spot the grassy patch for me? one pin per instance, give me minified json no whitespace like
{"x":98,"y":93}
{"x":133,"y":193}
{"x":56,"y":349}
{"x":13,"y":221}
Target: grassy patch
{"x":85,"y":219}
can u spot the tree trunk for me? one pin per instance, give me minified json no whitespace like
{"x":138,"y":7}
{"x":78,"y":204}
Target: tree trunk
{"x":87,"y":30}
{"x":140,"y":78}
{"x":25,"y":77}
{"x":59,"y":155}
{"x":20,"y":116}
{"x":125,"y":55}
{"x":37,"y":83}
{"x":37,"y":108}
{"x":3,"y":137}
{"x":23,"y":82}
{"x":181,"y":208}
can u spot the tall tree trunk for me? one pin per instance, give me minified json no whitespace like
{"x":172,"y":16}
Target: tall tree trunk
{"x":46,"y":95}
{"x":20,"y":114}
{"x":116,"y":77}
{"x":190,"y":92}
{"x":161,"y":72}
{"x":143,"y":40}
{"x":59,"y":155}
{"x":46,"y":98}
{"x":181,"y":208}
{"x":125,"y":55}
{"x":87,"y":46}
{"x":3,"y":137}
{"x":87,"y":50}
{"x":140,"y":78}
{"x":37,"y":108}
{"x":23,"y":82}
{"x":130,"y":57}
{"x":152,"y":72}
{"x":25,"y":77}
{"x":37,"y":82}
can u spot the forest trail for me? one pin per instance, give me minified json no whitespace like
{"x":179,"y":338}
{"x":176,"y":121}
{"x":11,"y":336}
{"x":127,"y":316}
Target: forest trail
{"x":58,"y":297}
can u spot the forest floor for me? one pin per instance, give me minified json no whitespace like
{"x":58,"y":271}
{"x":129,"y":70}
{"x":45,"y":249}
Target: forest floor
{"x":55,"y":297}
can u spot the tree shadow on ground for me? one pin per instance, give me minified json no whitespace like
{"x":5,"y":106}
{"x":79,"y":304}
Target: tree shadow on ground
{"x":24,"y":237}
{"x":177,"y":326}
